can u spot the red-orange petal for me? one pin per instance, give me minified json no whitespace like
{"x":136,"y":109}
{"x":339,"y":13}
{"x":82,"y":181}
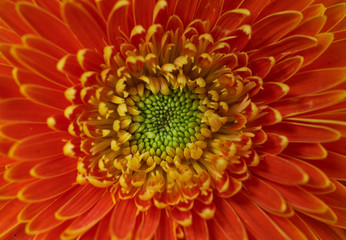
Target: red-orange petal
{"x":43,"y":22}
{"x":19,"y":171}
{"x":205,"y":7}
{"x":275,"y":26}
{"x":299,"y":132}
{"x":334,"y":165}
{"x":306,"y":150}
{"x":166,"y":229}
{"x":198,"y":229}
{"x":280,"y":170}
{"x":284,"y":69}
{"x":82,"y":24}
{"x":315,"y":81}
{"x":96,"y":213}
{"x":46,"y":96}
{"x":149,"y":223}
{"x":47,"y":188}
{"x":8,"y":215}
{"x":23,"y":110}
{"x":334,"y":15}
{"x":8,"y":87}
{"x":43,"y":45}
{"x":80,"y":203}
{"x":271,"y":92}
{"x":298,"y":105}
{"x":123,"y":218}
{"x":275,"y":144}
{"x":32,"y":209}
{"x":39,"y":146}
{"x":256,"y":221}
{"x":22,"y":130}
{"x":53,"y":166}
{"x":310,"y":27}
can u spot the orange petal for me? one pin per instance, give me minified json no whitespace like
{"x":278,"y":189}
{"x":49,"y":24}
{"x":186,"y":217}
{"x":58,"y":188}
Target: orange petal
{"x":287,"y":46}
{"x":198,"y":230}
{"x":310,"y":27}
{"x":228,"y":22}
{"x":40,"y":63}
{"x":301,"y":199}
{"x":47,"y":188}
{"x":324,"y":231}
{"x":183,"y":218}
{"x":166,"y":229}
{"x":9,"y":214}
{"x":341,"y":215}
{"x":39,"y":146}
{"x":205,"y":7}
{"x":7,"y":57}
{"x":306,"y":150}
{"x":53,"y":166}
{"x":143,"y":18}
{"x":7,"y":35}
{"x":80,"y":203}
{"x":19,"y":171}
{"x":334,"y":165}
{"x":9,"y":15}
{"x":332,"y":57}
{"x":298,"y":132}
{"x":90,"y":218}
{"x":298,"y":105}
{"x":281,"y":5}
{"x":149,"y":223}
{"x":280,"y":170}
{"x":313,"y":10}
{"x":227,"y":221}
{"x":123,"y":218}
{"x":256,"y":221}
{"x":185,"y":10}
{"x":51,"y":6}
{"x":264,"y":195}
{"x":255,"y":7}
{"x":262,"y":66}
{"x":32,"y":209}
{"x":303,"y":227}
{"x":337,"y":146}
{"x":43,"y":45}
{"x":288,"y":227}
{"x":69,"y":65}
{"x":22,"y":76}
{"x":23,"y":110}
{"x":275,"y":26}
{"x":315,"y":81}
{"x":336,"y":198}
{"x":46,"y":96}
{"x":118,"y":22}
{"x":271,"y":92}
{"x":216,"y":233}
{"x":22,"y":130}
{"x":82,"y":24}
{"x":8,"y":87}
{"x":334,"y":15}
{"x":275,"y":144}
{"x":43,"y":22}
{"x":283,"y":70}
{"x":57,"y":231}
{"x":10,"y":190}
{"x":89,"y":60}
{"x":46,"y":219}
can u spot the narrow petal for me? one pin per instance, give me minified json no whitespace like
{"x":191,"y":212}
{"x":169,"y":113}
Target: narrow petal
{"x":272,"y":91}
{"x":255,"y":7}
{"x":166,"y":229}
{"x":43,"y":22}
{"x":32,"y":209}
{"x":149,"y":223}
{"x":298,"y":132}
{"x":23,"y":110}
{"x":53,"y":166}
{"x":227,"y":220}
{"x":275,"y":144}
{"x":334,"y":15}
{"x":45,"y":220}
{"x":205,"y":7}
{"x":19,"y":171}
{"x":337,"y":146}
{"x":8,"y":215}
{"x":198,"y":230}
{"x":185,"y":10}
{"x":69,"y":65}
{"x":9,"y":36}
{"x":285,"y":47}
{"x":275,"y":26}
{"x":48,"y":188}
{"x":284,"y":69}
{"x":43,"y":45}
{"x":262,"y":66}
{"x":89,"y":60}
{"x":264,"y":195}
{"x":306,"y":150}
{"x":8,"y":88}
{"x":90,"y":218}
{"x":11,"y":189}
{"x":315,"y":81}
{"x":143,"y":18}
{"x":256,"y":221}
{"x":9,"y":15}
{"x":301,"y":199}
{"x":81,"y":23}
{"x":40,"y":63}
{"x":336,"y":198}
{"x":51,"y":6}
{"x":280,"y":170}
{"x":123,"y":218}
{"x":184,"y":218}
{"x":334,"y":165}
{"x":304,"y":227}
{"x":80,"y":203}
{"x":310,"y":27}
{"x":39,"y":146}
{"x":298,"y":105}
{"x":46,"y":96}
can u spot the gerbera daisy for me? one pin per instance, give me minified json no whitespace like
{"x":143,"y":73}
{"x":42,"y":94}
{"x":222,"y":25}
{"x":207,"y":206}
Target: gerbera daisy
{"x":159,"y":119}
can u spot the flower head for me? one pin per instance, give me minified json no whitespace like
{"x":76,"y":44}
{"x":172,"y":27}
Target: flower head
{"x":164,"y":119}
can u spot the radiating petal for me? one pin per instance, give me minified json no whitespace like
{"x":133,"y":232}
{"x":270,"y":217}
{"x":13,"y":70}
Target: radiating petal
{"x":53,"y":166}
{"x":8,"y":215}
{"x":334,"y":165}
{"x":123,"y":218}
{"x":306,"y":150}
{"x":334,"y":15}
{"x":275,"y":144}
{"x":198,"y":229}
{"x":284,"y":69}
{"x":272,"y":91}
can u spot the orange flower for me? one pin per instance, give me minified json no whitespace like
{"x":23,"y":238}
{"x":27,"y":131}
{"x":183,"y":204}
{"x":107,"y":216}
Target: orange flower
{"x":158,"y":119}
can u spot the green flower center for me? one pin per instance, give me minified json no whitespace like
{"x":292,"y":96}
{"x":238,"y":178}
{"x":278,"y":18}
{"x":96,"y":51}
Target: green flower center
{"x":170,"y":120}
